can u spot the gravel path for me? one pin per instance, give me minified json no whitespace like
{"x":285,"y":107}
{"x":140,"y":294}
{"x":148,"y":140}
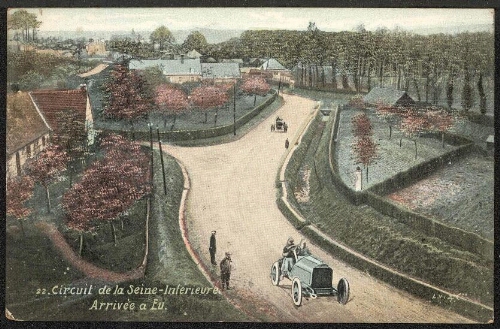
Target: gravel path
{"x":233,"y":192}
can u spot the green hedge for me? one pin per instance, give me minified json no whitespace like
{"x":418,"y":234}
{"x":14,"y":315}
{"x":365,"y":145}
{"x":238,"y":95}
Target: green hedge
{"x":354,"y":197}
{"x":467,"y":241}
{"x":416,"y":173}
{"x":181,"y":135}
{"x":325,"y":174}
{"x":336,"y":90}
{"x":485,"y":120}
{"x":296,"y":160}
{"x":443,"y":299}
{"x":470,"y":241}
{"x":294,"y":220}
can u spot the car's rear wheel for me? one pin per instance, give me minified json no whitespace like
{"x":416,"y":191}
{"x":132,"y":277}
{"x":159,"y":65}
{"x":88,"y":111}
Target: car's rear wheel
{"x":296,"y":291}
{"x":275,"y":274}
{"x":343,"y":291}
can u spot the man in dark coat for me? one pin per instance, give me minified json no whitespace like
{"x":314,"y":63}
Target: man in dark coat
{"x":225,"y":271}
{"x":213,"y":248}
{"x":287,"y":143}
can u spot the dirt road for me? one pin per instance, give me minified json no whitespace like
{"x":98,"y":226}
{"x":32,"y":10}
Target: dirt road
{"x":233,"y":192}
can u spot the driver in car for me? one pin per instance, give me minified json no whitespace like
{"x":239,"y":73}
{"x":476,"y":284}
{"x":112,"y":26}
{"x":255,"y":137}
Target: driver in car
{"x":288,"y":257}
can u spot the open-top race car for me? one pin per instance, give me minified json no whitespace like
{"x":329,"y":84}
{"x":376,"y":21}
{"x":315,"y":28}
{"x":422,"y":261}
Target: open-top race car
{"x":310,"y":277}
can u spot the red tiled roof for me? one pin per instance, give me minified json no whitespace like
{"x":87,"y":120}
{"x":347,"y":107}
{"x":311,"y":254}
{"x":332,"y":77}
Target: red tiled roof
{"x":52,"y":102}
{"x":24,"y":123}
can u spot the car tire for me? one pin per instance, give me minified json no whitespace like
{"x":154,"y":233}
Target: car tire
{"x":275,"y":274}
{"x":343,"y":291}
{"x":296,"y":292}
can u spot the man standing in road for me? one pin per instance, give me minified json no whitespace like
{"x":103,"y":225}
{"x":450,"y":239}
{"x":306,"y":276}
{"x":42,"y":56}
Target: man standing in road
{"x":225,"y":271}
{"x":213,"y":248}
{"x":287,"y":143}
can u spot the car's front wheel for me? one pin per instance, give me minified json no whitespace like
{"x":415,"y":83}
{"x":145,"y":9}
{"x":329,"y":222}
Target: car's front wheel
{"x":296,"y":291}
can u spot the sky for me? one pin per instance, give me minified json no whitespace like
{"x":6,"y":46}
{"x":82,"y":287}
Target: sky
{"x":327,"y":19}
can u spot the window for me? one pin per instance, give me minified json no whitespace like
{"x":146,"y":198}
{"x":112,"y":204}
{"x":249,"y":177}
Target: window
{"x":28,"y":151}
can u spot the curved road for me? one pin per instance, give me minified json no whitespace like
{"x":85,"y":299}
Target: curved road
{"x":233,"y":192}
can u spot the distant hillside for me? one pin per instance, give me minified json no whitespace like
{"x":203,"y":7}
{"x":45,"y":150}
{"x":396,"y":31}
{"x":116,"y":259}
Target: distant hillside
{"x":212,"y":35}
{"x":455,"y":29}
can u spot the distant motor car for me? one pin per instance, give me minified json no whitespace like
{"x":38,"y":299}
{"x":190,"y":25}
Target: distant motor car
{"x":280,"y":125}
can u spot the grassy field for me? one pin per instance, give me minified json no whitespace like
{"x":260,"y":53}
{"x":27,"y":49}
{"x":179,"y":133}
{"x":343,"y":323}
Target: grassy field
{"x":390,"y":159}
{"x":33,"y":263}
{"x":191,"y":120}
{"x":461,"y":194}
{"x":168,"y":261}
{"x":384,"y":238}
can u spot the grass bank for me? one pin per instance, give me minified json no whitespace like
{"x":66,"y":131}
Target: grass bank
{"x":380,"y":237}
{"x":33,"y":263}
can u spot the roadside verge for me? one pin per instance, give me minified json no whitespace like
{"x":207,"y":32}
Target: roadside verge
{"x":454,"y":302}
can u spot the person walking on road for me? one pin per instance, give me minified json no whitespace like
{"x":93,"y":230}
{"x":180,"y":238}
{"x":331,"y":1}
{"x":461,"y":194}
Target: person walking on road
{"x":287,"y":143}
{"x":213,"y":248}
{"x":225,"y":271}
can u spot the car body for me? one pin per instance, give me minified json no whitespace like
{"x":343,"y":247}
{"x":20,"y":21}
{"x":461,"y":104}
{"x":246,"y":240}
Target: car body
{"x":310,"y":277}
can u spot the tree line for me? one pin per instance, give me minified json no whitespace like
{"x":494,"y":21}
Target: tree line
{"x":22,"y":20}
{"x":361,"y":58}
{"x":368,"y":55}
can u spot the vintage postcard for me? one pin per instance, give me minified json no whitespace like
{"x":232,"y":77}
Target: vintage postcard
{"x":325,"y":165}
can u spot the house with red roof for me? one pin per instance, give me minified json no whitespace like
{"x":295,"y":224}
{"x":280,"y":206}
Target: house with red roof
{"x":27,"y":133}
{"x":53,"y":103}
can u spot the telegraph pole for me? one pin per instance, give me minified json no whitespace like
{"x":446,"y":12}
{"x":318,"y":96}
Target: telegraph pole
{"x":151,"y":145}
{"x":162,"y":164}
{"x":234,"y":108}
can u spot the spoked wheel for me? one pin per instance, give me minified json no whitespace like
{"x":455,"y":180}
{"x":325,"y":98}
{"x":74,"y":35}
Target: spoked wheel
{"x":343,"y":291}
{"x":275,"y":274}
{"x":297,"y":291}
